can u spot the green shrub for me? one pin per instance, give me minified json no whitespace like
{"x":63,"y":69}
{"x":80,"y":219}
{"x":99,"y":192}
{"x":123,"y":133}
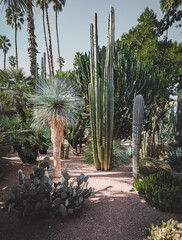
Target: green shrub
{"x":161,"y":191}
{"x":121,"y":155}
{"x":170,"y":230}
{"x":174,"y":159}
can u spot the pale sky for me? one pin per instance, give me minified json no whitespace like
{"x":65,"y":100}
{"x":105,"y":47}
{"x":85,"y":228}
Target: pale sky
{"x":74,"y":23}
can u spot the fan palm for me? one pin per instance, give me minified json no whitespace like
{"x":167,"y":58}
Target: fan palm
{"x":4,"y":45}
{"x":56,"y":103}
{"x":14,"y":17}
{"x":15,"y":89}
{"x":58,"y":6}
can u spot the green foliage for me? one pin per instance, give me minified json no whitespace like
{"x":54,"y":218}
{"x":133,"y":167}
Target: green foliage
{"x":35,"y":195}
{"x":170,"y":230}
{"x":12,"y":61}
{"x":161,"y":191}
{"x":149,"y":165}
{"x":174,"y":159}
{"x":120,"y":156}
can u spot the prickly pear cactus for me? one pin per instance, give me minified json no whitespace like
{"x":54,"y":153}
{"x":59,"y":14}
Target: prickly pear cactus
{"x":32,"y":195}
{"x":68,"y":198}
{"x":138,"y":112}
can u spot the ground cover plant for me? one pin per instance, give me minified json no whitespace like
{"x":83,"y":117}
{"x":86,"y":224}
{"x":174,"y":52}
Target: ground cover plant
{"x":170,"y":230}
{"x":161,"y":191}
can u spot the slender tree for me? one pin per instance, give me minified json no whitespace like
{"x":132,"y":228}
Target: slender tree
{"x":26,"y":6}
{"x":55,"y":103}
{"x":32,"y":49}
{"x":58,"y":6}
{"x":4,"y":45}
{"x":14,"y":17}
{"x":49,"y":34}
{"x":40,"y":3}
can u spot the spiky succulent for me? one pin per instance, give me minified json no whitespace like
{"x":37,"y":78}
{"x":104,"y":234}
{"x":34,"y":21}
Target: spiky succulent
{"x":55,"y":100}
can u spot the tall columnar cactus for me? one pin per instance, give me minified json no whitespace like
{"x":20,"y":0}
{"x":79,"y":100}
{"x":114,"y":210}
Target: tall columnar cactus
{"x":43,"y":67}
{"x":138,"y":112}
{"x":179,"y":119}
{"x":101,"y":95}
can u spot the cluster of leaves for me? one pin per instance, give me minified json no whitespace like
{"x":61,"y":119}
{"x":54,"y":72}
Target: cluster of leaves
{"x":174,"y":159}
{"x":120,"y":156}
{"x":169,"y":230}
{"x":162,"y":191}
{"x":35,"y":195}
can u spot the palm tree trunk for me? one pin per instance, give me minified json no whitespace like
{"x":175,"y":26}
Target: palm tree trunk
{"x":56,"y":22}
{"x":50,"y":43}
{"x":4,"y":61}
{"x":16,"y":48}
{"x":48,"y":57}
{"x":166,"y":35}
{"x":57,"y":129}
{"x":32,"y":50}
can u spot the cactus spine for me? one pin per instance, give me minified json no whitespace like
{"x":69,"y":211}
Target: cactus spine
{"x":179,"y":119}
{"x":101,"y":95}
{"x":138,"y":112}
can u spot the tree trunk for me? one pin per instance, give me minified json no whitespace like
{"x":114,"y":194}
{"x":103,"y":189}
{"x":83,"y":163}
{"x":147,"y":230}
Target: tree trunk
{"x":50,"y":43}
{"x":32,"y":50}
{"x":4,"y":61}
{"x":45,"y":38}
{"x":56,"y":22}
{"x":57,"y":129}
{"x":16,"y":49}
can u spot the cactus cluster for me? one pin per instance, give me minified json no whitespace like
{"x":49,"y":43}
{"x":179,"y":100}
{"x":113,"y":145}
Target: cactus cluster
{"x":101,"y":95}
{"x":179,"y":120}
{"x":153,"y":140}
{"x":35,"y":195}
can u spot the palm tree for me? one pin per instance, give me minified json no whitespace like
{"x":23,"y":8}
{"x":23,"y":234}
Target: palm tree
{"x":58,"y":6}
{"x":56,"y":103}
{"x":26,"y":5}
{"x":15,"y":89}
{"x":32,"y":50}
{"x":14,"y":17}
{"x":40,"y":3}
{"x":22,"y":4}
{"x":12,"y":61}
{"x":4,"y":45}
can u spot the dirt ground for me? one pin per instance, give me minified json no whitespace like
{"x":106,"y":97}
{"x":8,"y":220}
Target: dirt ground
{"x":111,"y":213}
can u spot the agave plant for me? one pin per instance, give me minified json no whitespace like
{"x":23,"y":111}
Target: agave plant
{"x":56,"y":103}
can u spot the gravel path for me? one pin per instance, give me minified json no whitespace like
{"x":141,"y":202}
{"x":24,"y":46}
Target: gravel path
{"x":111,"y":213}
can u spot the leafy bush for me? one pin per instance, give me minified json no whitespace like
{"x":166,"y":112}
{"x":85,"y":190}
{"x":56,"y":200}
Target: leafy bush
{"x":121,"y":155}
{"x":162,"y":191}
{"x":174,"y":159}
{"x":34,"y":195}
{"x":170,"y":230}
